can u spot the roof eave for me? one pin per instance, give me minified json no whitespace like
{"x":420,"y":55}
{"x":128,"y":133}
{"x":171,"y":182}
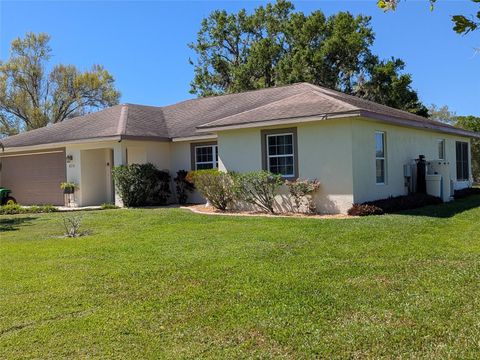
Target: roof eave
{"x":290,"y":120}
{"x":357,"y":113}
{"x":418,"y":125}
{"x":61,"y":144}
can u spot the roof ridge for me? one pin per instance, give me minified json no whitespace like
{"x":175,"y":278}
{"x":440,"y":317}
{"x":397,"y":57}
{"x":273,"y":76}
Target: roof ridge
{"x":263,"y":106}
{"x":141,"y":105}
{"x":122,"y":121}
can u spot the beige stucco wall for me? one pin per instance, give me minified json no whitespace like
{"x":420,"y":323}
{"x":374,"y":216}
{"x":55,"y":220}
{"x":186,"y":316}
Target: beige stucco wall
{"x":91,"y":171}
{"x":324,"y":153}
{"x":181,"y":160}
{"x":402,"y":145}
{"x":155,"y":152}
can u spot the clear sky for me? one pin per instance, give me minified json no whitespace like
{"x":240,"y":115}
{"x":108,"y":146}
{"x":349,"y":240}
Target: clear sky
{"x":144,"y":44}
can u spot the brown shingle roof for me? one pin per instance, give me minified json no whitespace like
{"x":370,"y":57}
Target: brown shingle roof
{"x":316,"y":101}
{"x":183,"y":119}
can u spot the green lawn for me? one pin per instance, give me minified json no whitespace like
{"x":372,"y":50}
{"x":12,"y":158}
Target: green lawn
{"x":167,"y":283}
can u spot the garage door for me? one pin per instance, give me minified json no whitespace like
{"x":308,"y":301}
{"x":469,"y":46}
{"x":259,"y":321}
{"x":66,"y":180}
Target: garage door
{"x":34,"y":177}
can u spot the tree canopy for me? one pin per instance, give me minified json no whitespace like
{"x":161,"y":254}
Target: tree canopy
{"x":462,"y":24}
{"x":32,"y":97}
{"x":276,"y":45}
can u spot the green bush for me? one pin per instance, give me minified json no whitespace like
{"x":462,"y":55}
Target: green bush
{"x":216,"y":186}
{"x":141,"y":184}
{"x":258,"y":188}
{"x":302,"y":191}
{"x":17,"y":209}
{"x":183,"y":186}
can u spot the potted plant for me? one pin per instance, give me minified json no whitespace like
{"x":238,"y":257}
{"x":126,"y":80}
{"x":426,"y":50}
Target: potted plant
{"x":68,"y":187}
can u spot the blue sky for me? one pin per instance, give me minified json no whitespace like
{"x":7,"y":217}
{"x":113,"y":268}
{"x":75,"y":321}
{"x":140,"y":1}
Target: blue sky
{"x":144,"y":44}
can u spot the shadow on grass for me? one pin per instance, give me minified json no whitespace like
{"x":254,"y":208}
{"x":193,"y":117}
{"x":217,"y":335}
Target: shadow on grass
{"x":446,"y":210}
{"x":13,"y":224}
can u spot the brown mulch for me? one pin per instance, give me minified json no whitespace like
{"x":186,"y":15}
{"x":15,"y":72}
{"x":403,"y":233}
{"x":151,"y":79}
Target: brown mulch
{"x":209,"y":210}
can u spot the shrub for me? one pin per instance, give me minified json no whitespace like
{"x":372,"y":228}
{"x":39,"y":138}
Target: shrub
{"x":106,"y":206}
{"x":407,"y":202}
{"x":141,"y":184}
{"x":17,"y":209}
{"x":160,"y":187}
{"x":183,"y":186}
{"x":463,"y":193}
{"x":301,"y":191}
{"x":71,"y":224}
{"x":258,"y":188}
{"x":216,"y":186}
{"x":364,"y":210}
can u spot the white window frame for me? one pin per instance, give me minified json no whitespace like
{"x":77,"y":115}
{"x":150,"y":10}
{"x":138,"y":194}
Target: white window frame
{"x":214,"y":161}
{"x":284,"y":155}
{"x":384,"y":157}
{"x":442,"y":141}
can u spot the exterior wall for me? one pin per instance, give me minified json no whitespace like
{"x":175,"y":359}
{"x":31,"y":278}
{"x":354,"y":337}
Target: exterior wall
{"x":90,"y":168}
{"x":142,"y":152}
{"x":181,"y":159}
{"x":402,"y":145}
{"x":324,"y":153}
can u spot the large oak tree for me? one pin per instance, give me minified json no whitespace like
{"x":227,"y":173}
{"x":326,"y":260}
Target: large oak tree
{"x":32,"y":97}
{"x":276,"y":45}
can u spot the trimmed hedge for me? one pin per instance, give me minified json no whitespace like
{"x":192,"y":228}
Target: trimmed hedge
{"x":364,"y":210}
{"x":258,"y":188}
{"x":406,"y":202}
{"x":460,"y":194}
{"x":215,"y":186}
{"x":18,"y":209}
{"x":394,"y":204}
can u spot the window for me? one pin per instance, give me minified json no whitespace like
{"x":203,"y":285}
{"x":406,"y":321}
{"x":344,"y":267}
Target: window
{"x":380,"y":161}
{"x":463,"y":172}
{"x":441,"y":149}
{"x":204,"y":156}
{"x":279,"y":147}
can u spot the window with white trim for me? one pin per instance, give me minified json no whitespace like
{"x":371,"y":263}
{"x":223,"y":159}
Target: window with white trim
{"x":206,"y":157}
{"x":380,"y":158}
{"x":441,"y":149}
{"x":280,"y":154}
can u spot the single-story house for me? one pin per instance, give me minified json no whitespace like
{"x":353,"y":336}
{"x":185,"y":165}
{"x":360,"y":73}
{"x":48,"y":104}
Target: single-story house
{"x":357,"y":149}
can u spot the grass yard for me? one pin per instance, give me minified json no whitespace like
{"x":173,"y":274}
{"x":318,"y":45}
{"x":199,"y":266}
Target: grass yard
{"x":167,"y":283}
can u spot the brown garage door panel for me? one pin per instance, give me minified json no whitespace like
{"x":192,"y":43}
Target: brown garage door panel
{"x":35,"y":178}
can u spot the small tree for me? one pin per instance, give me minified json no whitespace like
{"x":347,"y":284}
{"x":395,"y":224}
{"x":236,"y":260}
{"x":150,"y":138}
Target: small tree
{"x":258,"y":188}
{"x":216,"y":186}
{"x":302,"y":191}
{"x":183,"y":186}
